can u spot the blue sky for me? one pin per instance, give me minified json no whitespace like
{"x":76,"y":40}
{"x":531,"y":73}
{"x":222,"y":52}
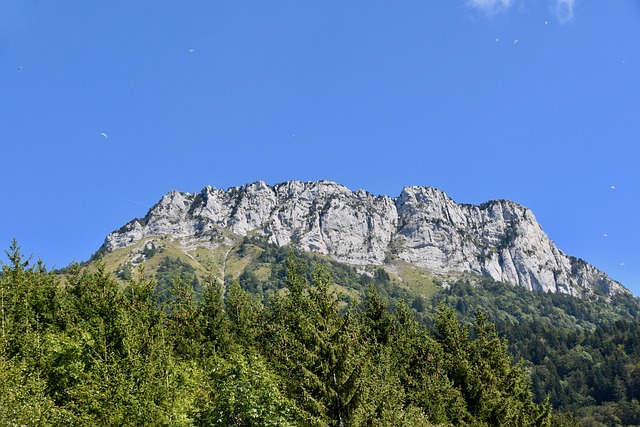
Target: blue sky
{"x":536,"y":101}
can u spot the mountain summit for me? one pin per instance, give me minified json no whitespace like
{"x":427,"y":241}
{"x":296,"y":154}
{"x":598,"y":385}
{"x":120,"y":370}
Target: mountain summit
{"x":423,"y":227}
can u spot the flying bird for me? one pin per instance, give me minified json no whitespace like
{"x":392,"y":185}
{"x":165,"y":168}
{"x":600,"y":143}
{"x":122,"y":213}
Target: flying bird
{"x":19,"y":69}
{"x":603,"y":235}
{"x":191,"y":51}
{"x":516,"y":41}
{"x":105,"y":135}
{"x":613,"y":187}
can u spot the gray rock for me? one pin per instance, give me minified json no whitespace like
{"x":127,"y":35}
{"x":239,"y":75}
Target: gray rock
{"x":423,"y":226}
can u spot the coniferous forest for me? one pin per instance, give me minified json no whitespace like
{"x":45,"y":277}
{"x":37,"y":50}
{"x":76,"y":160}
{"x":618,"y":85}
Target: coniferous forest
{"x":87,"y":348}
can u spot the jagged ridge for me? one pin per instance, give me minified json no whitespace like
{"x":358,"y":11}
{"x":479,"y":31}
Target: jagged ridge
{"x":422,"y":226}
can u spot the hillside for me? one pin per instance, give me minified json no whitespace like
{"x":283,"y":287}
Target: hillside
{"x":582,"y":353}
{"x":431,"y":257}
{"x":421,"y":228}
{"x":86,"y":349}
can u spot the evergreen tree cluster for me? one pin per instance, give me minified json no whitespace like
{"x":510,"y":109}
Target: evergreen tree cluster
{"x":582,"y":354}
{"x":91,"y":350}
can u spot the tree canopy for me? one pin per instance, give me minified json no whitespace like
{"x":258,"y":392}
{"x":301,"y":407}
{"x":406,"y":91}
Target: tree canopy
{"x":89,"y":349}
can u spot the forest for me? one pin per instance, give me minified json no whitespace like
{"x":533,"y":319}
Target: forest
{"x":584,"y":355}
{"x":85,"y":348}
{"x":315,"y":344}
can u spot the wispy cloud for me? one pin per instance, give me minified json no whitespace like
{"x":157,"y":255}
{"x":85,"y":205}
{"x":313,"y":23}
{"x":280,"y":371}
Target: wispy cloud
{"x":564,"y":10}
{"x":490,"y":6}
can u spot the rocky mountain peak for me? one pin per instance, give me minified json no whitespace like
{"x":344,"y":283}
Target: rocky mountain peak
{"x":499,"y":239}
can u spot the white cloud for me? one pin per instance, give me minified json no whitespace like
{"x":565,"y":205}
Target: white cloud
{"x":490,"y":6}
{"x":564,"y":10}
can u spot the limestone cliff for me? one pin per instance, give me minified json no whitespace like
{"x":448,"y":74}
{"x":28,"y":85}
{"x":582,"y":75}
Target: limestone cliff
{"x":422,"y":226}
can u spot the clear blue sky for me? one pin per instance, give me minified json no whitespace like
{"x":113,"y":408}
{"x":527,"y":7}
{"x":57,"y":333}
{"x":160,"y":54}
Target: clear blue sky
{"x":537,"y":101}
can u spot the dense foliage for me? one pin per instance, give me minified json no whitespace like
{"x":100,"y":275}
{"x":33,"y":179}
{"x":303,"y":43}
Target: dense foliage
{"x":580,"y":352}
{"x":583,"y":354}
{"x":352,"y":282}
{"x":91,"y":350}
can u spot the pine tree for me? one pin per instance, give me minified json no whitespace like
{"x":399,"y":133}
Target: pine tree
{"x":213,"y":319}
{"x":183,"y":319}
{"x":29,"y":303}
{"x":496,"y":391}
{"x":243,"y":312}
{"x":320,"y":349}
{"x":418,"y":361}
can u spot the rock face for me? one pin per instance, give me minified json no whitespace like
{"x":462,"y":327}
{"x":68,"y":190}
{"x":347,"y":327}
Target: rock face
{"x":422,"y":226}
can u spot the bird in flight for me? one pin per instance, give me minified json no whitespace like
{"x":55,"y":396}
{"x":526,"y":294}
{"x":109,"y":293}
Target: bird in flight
{"x":105,"y":135}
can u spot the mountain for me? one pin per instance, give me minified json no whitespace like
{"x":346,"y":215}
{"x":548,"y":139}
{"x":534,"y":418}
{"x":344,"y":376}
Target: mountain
{"x":422,"y":227}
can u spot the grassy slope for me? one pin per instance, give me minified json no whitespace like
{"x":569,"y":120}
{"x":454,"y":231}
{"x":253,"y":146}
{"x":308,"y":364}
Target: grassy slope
{"x":231,"y":256}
